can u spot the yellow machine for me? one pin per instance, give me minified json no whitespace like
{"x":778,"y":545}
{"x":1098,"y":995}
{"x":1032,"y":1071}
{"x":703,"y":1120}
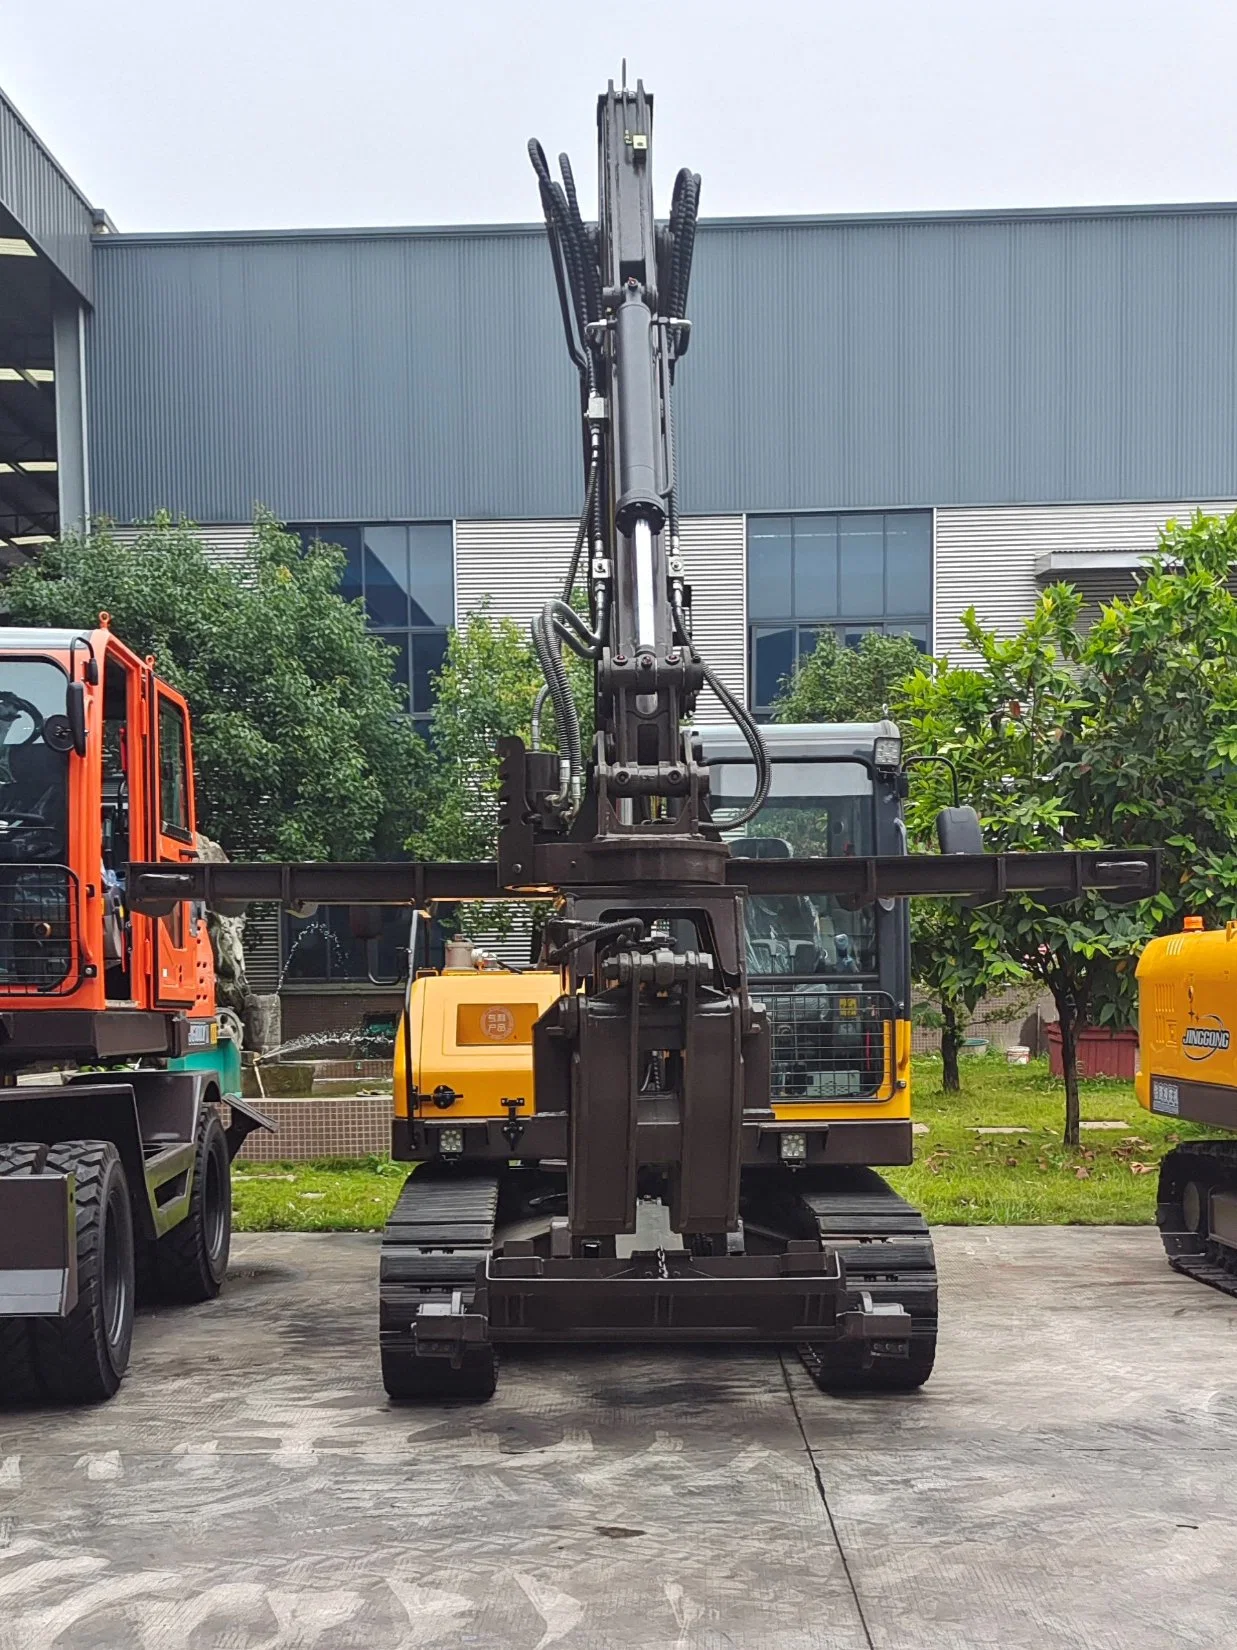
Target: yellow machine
{"x":470,"y":1034}
{"x":1187,"y":1015}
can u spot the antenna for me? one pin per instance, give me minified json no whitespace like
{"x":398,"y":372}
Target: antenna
{"x":624,"y":76}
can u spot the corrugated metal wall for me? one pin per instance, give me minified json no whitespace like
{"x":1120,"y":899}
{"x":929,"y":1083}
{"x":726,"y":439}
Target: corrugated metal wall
{"x":343,"y":378}
{"x":519,"y":565}
{"x":986,"y":558}
{"x":45,"y":203}
{"x":977,"y":359}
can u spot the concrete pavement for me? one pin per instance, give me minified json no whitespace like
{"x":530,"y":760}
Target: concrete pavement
{"x":1067,"y":1481}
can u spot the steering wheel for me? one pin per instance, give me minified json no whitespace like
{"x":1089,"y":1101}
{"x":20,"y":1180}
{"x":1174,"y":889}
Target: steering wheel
{"x":16,"y":706}
{"x":22,"y":822}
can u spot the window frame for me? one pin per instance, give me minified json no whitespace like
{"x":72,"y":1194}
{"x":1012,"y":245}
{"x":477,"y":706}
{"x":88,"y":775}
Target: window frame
{"x":167,"y":706}
{"x":840,"y":620}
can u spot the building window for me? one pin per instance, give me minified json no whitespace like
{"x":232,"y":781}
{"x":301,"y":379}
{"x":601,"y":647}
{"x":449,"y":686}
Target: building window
{"x":845,"y":573}
{"x":405,"y":576}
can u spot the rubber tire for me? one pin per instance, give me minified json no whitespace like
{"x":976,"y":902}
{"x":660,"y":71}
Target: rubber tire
{"x":19,"y":1376}
{"x":191,"y":1261}
{"x":82,"y":1358}
{"x":411,"y":1379}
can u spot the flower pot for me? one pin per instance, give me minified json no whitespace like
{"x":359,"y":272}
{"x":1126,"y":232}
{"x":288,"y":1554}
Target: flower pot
{"x":1102,"y":1052}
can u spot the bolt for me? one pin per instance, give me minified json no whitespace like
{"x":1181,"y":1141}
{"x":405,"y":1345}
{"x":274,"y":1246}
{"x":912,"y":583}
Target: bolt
{"x":517,"y":867}
{"x":646,"y":661}
{"x":620,"y":658}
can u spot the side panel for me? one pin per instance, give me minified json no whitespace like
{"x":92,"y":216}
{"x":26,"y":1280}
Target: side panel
{"x":1187,"y":1026}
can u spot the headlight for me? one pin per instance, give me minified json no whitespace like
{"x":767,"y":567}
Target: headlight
{"x":887,"y":752}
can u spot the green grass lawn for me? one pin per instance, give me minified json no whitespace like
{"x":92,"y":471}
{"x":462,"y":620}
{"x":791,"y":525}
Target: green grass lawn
{"x":958,"y":1177}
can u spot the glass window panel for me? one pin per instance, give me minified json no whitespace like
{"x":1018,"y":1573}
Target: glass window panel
{"x":173,"y":769}
{"x":428,"y":653}
{"x":348,"y":540}
{"x":861,"y":549}
{"x":432,"y":580}
{"x":769,"y":593}
{"x":773,"y":657}
{"x":816,"y":566}
{"x":850,"y":635}
{"x":809,"y":635}
{"x":908,"y":563}
{"x":400,"y":644}
{"x":386,"y":575}
{"x":917,"y":632}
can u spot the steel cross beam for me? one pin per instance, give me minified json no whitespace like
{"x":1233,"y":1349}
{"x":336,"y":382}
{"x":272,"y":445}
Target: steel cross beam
{"x":156,"y":888}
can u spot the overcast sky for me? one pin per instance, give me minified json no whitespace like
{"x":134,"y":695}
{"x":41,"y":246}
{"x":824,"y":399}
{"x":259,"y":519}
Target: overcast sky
{"x":234,"y":114}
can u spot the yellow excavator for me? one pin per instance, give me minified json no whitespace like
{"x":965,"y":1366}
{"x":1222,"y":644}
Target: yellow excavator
{"x":1187,"y":1010}
{"x":666,"y":1129}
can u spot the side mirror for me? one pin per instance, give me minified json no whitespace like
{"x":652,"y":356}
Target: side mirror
{"x":959,"y":832}
{"x":75,"y":710}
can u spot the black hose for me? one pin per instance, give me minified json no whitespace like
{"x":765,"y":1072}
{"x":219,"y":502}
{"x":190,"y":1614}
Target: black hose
{"x":588,"y":262}
{"x":683,"y":227}
{"x":595,"y":934}
{"x":581,"y":531}
{"x":566,"y":718}
{"x":743,"y":720}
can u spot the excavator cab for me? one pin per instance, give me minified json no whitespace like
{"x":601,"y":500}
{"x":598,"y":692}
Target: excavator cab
{"x":832,"y":971}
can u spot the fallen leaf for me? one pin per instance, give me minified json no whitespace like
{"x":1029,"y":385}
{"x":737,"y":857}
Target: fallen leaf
{"x":1142,"y":1168}
{"x":1011,"y":1162}
{"x":314,"y":1196}
{"x":1082,"y":1174}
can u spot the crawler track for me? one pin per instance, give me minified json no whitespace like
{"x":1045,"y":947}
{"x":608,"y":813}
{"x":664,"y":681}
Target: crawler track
{"x":443,"y":1228}
{"x":1208,"y":1165}
{"x":440,"y":1230}
{"x":887,"y":1250}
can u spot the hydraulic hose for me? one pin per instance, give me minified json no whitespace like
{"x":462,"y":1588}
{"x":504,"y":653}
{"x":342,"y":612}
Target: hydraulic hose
{"x":742,"y":718}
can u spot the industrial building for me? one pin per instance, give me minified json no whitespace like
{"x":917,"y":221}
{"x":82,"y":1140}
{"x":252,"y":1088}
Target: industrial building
{"x":883,"y":419}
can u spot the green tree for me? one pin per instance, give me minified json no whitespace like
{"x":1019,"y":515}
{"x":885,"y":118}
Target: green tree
{"x":952,"y":963}
{"x":302,"y":745}
{"x":1156,"y":763}
{"x":847,"y":684}
{"x":956,"y":964}
{"x":485,"y":690}
{"x":1016,"y":730}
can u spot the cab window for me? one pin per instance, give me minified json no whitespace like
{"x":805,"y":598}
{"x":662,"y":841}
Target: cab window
{"x":173,"y":771}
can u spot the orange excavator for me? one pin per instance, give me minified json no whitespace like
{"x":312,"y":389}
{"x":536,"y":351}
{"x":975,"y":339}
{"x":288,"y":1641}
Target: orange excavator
{"x":115,"y":1063}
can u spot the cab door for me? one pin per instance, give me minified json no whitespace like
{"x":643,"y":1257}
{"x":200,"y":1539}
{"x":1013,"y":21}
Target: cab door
{"x":175,"y":938}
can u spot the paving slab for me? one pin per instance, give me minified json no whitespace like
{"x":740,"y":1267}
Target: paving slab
{"x":1067,"y":1479}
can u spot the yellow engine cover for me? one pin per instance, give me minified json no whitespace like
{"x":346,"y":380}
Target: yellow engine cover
{"x":472,"y":1032}
{"x":1187,"y":1009}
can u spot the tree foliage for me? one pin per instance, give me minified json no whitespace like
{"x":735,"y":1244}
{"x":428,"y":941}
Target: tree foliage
{"x":847,"y":684}
{"x":485,"y":691}
{"x":953,"y":965}
{"x":302,"y":745}
{"x":1122,"y":736}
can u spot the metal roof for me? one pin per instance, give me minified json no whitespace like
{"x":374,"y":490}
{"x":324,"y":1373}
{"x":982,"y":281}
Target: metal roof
{"x":52,"y":211}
